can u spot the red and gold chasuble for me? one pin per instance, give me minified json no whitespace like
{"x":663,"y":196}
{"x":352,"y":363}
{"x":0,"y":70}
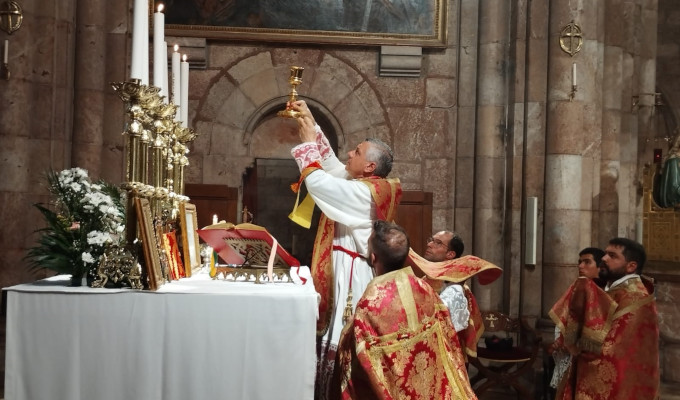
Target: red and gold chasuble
{"x":615,"y":336}
{"x":458,"y":271}
{"x":386,"y":194}
{"x":401,"y":344}
{"x":469,"y":337}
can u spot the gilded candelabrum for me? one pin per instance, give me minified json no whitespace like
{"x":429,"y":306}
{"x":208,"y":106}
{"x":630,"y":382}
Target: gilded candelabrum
{"x":156,"y":148}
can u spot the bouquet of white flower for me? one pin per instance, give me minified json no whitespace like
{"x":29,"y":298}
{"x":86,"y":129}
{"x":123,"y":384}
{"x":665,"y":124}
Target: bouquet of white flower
{"x":84,"y":219}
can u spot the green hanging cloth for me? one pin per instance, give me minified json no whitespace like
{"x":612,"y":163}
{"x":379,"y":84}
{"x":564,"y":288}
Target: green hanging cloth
{"x":667,"y":185}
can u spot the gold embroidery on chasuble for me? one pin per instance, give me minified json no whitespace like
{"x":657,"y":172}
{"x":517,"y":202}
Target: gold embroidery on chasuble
{"x":386,"y":194}
{"x":403,"y":339}
{"x":627,"y":366}
{"x":322,"y":272}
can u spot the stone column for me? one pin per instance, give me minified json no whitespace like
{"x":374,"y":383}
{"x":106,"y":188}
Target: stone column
{"x":35,"y":126}
{"x":571,"y":143}
{"x":116,"y":70}
{"x":629,"y":71}
{"x":531,"y":155}
{"x":490,"y":182}
{"x":466,"y":98}
{"x":89,"y":76}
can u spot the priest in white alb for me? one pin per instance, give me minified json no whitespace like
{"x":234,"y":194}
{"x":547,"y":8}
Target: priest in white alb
{"x":351,"y":196}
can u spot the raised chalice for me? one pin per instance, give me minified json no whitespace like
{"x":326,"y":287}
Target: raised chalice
{"x":294,"y":80}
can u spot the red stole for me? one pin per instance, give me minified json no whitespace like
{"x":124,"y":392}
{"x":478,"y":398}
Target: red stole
{"x":386,"y":194}
{"x":624,"y":320}
{"x":469,"y":337}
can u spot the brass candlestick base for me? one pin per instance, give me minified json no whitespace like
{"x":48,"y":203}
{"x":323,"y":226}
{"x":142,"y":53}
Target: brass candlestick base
{"x":294,"y":80}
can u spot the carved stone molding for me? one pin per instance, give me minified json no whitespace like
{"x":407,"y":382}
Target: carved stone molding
{"x":404,"y":61}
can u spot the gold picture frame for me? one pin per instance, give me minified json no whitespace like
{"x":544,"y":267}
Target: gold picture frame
{"x":149,"y":243}
{"x":367,"y":22}
{"x":190,"y":244}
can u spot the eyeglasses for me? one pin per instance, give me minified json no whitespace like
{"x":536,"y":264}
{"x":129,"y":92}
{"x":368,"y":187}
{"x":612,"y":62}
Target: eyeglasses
{"x":436,"y":242}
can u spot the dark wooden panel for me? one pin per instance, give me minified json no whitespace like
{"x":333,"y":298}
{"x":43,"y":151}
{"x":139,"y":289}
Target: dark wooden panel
{"x":415,"y":215}
{"x":213,"y":199}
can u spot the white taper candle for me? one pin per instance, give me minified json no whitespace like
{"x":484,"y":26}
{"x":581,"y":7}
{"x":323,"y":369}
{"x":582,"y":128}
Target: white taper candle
{"x":184,"y":90}
{"x":140,"y":35}
{"x":176,"y":95}
{"x":158,"y":42}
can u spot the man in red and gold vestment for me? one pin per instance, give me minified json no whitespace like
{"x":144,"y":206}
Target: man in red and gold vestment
{"x":351,"y":196}
{"x":612,"y":334}
{"x":401,"y":343}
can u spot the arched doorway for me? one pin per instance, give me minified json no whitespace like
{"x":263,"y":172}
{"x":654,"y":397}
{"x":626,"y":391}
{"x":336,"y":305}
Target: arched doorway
{"x":266,"y":185}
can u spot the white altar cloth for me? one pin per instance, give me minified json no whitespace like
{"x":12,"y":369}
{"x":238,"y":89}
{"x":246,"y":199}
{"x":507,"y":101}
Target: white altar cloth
{"x":195,"y":338}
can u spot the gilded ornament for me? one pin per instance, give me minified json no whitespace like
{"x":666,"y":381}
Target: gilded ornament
{"x":11,"y":16}
{"x":571,"y":38}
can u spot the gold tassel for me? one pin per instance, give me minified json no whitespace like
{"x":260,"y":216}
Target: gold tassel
{"x":347,"y":313}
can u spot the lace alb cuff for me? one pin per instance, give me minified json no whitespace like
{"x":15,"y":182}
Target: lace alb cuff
{"x":305,"y":154}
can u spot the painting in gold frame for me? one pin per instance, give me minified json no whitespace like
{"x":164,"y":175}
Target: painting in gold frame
{"x":147,"y":232}
{"x":190,"y":245}
{"x":171,"y":251}
{"x":356,"y":22}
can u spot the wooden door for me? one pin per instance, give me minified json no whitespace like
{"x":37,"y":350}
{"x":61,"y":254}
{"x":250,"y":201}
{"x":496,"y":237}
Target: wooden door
{"x":220,"y":200}
{"x":415,"y":216}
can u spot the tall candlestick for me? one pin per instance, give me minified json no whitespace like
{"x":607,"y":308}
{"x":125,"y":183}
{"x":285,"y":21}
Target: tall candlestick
{"x":145,"y":53}
{"x":6,"y":57}
{"x":184,"y":90}
{"x":573,"y":74}
{"x":165,"y":91}
{"x":176,"y":95}
{"x":158,"y":41}
{"x":140,"y":36}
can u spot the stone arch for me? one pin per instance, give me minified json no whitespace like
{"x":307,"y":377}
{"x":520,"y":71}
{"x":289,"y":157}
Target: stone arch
{"x":238,"y":114}
{"x":266,"y":114}
{"x":248,"y":92}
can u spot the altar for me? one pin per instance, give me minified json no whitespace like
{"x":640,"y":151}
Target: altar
{"x":195,"y":338}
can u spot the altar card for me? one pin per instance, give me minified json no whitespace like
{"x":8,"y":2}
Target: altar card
{"x":245,"y":244}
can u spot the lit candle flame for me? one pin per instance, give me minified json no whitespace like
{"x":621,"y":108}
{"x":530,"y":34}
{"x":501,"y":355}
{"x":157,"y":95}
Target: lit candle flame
{"x":184,"y":57}
{"x":176,"y":47}
{"x":160,"y":7}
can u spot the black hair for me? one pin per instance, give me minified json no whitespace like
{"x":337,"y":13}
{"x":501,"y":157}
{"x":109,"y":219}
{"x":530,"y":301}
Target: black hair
{"x":595,"y":252}
{"x":390,"y":245}
{"x":632,"y":251}
{"x":456,"y":244}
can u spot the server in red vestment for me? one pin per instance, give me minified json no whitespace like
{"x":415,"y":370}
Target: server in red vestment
{"x":462,"y":304}
{"x":400,"y":343}
{"x":613,"y":334}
